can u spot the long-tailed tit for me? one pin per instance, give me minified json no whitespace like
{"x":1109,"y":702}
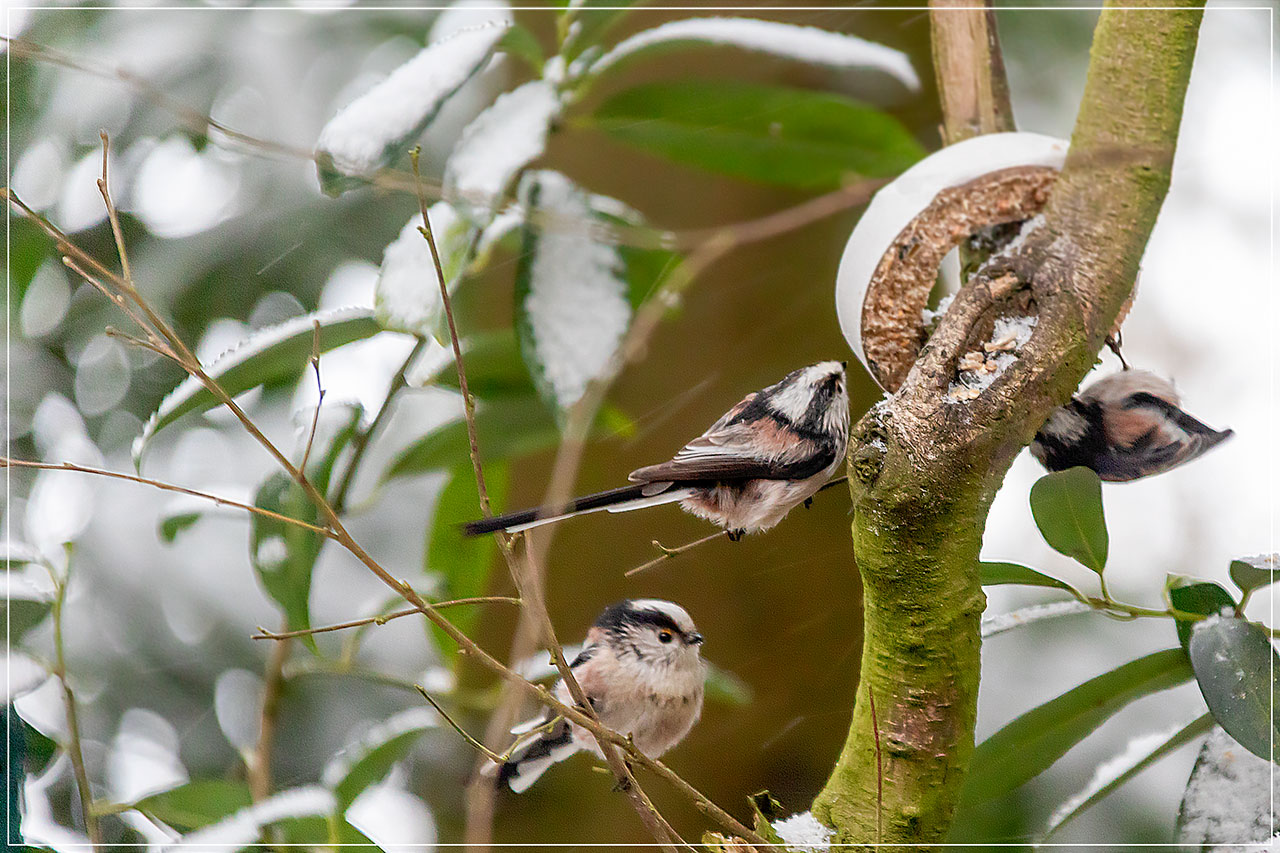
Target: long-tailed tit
{"x":641,"y":672}
{"x":1125,"y":426}
{"x":770,"y":452}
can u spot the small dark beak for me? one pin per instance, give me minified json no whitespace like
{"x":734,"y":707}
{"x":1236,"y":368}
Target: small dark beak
{"x":695,"y":639}
{"x":845,"y":365}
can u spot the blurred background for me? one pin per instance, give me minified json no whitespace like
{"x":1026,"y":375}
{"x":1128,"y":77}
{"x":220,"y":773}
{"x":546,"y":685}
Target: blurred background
{"x":227,"y":239}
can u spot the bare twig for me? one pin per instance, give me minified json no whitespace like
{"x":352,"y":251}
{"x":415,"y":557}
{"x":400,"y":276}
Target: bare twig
{"x":315,"y":417}
{"x":259,"y":768}
{"x":475,"y":744}
{"x":75,"y":750}
{"x":264,"y":634}
{"x":671,"y":553}
{"x":6,"y":462}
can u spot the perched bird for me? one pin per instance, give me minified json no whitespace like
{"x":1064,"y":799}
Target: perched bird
{"x":641,"y":672}
{"x":1125,"y":426}
{"x":770,"y":452}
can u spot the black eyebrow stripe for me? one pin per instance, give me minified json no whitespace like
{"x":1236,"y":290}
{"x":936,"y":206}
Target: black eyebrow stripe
{"x":617,"y":618}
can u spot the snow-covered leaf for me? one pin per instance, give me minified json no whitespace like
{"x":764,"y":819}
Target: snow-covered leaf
{"x":408,"y":290}
{"x":26,"y":606}
{"x":998,"y":623}
{"x":368,"y":760}
{"x":773,"y":134}
{"x":1250,"y":573}
{"x":584,"y":22}
{"x":1034,"y":741}
{"x":1230,"y":799}
{"x":802,"y":44}
{"x":501,"y":141}
{"x":365,"y":135}
{"x":1138,"y":755}
{"x":572,"y":308}
{"x":245,"y":825}
{"x":197,"y":803}
{"x":1236,"y":668}
{"x":803,"y":832}
{"x":269,"y":355}
{"x":17,"y":554}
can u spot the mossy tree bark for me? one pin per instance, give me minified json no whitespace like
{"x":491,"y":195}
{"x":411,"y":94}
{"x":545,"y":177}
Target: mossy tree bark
{"x":924,"y":469}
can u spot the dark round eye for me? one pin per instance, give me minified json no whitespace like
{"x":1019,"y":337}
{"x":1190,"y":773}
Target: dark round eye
{"x":665,"y":636}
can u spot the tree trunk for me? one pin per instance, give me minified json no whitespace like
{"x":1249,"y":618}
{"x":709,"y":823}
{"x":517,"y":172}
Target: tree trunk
{"x":924,"y":469}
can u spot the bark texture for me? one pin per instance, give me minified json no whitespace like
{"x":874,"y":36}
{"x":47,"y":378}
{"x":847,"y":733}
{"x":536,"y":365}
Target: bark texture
{"x":924,"y":468}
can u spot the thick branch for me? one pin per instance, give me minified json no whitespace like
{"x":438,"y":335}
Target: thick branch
{"x":924,"y":468}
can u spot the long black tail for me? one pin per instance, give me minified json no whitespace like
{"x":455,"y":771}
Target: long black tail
{"x":600,"y":500}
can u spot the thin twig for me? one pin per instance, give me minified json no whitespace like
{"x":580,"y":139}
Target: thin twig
{"x":264,"y":634}
{"x":342,"y":536}
{"x":360,"y":442}
{"x":492,"y":756}
{"x":315,"y":417}
{"x":259,"y":767}
{"x":6,"y":462}
{"x":75,"y":750}
{"x":671,"y":553}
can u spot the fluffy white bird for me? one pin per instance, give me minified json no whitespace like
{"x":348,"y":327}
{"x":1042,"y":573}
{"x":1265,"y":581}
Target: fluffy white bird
{"x":1124,"y":426}
{"x":773,"y":450}
{"x":641,"y":671}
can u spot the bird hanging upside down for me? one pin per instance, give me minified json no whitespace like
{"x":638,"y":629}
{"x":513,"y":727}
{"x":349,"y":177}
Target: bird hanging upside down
{"x":773,"y":450}
{"x":1125,"y":426}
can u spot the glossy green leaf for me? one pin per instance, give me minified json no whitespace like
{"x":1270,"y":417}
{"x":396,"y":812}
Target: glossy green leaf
{"x":197,"y":803}
{"x":371,"y":759}
{"x":268,"y":356}
{"x":1067,"y":507}
{"x":1234,"y":664}
{"x":462,"y":563}
{"x":776,"y":135}
{"x":1254,"y":573}
{"x":1191,"y":596}
{"x":994,"y":574}
{"x":322,"y":833}
{"x":1108,"y":777}
{"x":1031,"y":743}
{"x":494,"y":367}
{"x":285,"y":554}
{"x":506,"y":428}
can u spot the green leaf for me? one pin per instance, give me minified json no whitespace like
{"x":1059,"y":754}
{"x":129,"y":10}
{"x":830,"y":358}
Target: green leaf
{"x":1108,"y":777}
{"x":268,"y":356}
{"x":1190,"y":596}
{"x":371,"y":759}
{"x":322,"y":833}
{"x":172,"y":525}
{"x":1034,"y":741}
{"x":995,"y":574}
{"x":519,"y":42}
{"x":726,"y":688}
{"x":494,"y":367}
{"x":197,"y":803}
{"x":766,"y":810}
{"x":1067,"y":507}
{"x":772,"y":134}
{"x":506,"y":428}
{"x":1253,"y":573}
{"x":1234,"y":663}
{"x":25,"y":608}
{"x":285,"y":554}
{"x":462,"y":563}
